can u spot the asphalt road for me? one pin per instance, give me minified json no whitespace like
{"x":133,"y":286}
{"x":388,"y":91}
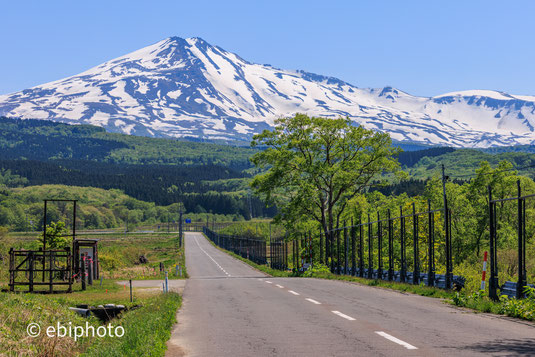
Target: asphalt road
{"x":230,"y":309}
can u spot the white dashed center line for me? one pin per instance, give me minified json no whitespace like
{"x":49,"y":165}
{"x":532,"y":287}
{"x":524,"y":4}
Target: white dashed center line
{"x":313,"y":301}
{"x":293,"y":292}
{"x":343,"y":315}
{"x":269,"y":282}
{"x":279,"y":286}
{"x":396,"y":340}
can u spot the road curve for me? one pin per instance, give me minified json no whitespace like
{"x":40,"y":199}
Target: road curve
{"x":230,"y":309}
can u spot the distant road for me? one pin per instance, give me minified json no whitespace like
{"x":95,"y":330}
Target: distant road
{"x":230,"y":309}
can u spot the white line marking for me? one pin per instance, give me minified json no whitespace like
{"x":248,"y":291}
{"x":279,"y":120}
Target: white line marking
{"x":313,"y":301}
{"x":396,"y":340}
{"x":209,"y":256}
{"x":269,"y":282}
{"x":279,"y":286}
{"x":343,"y":315}
{"x":293,"y":292}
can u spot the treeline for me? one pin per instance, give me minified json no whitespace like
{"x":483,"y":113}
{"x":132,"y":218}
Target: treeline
{"x":411,"y":158}
{"x":21,"y":209}
{"x":46,"y":140}
{"x":197,"y":187}
{"x":411,"y":187}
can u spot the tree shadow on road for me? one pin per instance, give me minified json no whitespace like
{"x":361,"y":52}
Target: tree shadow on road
{"x":509,"y":347}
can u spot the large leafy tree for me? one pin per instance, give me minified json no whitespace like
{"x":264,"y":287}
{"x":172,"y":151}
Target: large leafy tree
{"x":312,"y":167}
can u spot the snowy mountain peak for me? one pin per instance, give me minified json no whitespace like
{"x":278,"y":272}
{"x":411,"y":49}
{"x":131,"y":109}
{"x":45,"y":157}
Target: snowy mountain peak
{"x":188,"y":88}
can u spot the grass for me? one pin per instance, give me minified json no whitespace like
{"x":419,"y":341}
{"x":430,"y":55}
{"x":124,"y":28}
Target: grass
{"x":147,"y":328}
{"x":523,"y":308}
{"x":119,"y":258}
{"x":119,"y":255}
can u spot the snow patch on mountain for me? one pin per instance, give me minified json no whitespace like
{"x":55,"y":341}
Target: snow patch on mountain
{"x":189,"y":88}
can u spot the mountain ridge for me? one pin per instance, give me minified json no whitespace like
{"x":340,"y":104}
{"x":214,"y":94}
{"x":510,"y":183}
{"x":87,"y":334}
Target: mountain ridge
{"x":189,"y":88}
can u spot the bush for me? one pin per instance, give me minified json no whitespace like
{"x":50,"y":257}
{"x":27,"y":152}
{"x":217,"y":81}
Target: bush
{"x":316,"y":269}
{"x":109,"y":262}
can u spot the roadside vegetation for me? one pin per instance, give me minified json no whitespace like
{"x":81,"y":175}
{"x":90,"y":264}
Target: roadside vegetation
{"x":147,"y":328}
{"x":147,"y":325}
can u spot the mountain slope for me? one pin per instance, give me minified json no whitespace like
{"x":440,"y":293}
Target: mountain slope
{"x":189,"y":88}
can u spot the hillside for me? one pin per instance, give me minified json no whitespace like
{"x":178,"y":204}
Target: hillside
{"x":44,"y":140}
{"x":462,"y":163}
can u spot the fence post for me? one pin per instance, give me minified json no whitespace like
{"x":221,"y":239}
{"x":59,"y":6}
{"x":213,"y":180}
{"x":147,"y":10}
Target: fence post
{"x":379,"y":247}
{"x":353,"y":249}
{"x":361,"y":250}
{"x":82,"y":272}
{"x":522,"y":282}
{"x":416,"y":247}
{"x":346,"y":250}
{"x":431,"y":246}
{"x":370,"y":249}
{"x":50,"y":273}
{"x":403,"y":272}
{"x":447,"y":232}
{"x":294,"y":254}
{"x":311,"y":239}
{"x":11,"y":270}
{"x":449,"y":266}
{"x":90,"y":271}
{"x":30,"y":276}
{"x":321,"y":247}
{"x":493,"y":281}
{"x":390,"y":248}
{"x":337,"y":235}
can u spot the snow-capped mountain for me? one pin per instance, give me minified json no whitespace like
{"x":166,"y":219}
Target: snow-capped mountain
{"x":189,"y":88}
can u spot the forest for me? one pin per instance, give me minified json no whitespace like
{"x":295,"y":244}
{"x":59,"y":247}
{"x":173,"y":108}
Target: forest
{"x":21,"y":209}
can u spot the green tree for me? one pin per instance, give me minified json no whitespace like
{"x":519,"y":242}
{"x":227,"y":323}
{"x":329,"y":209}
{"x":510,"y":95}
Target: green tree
{"x":315,"y":166}
{"x":55,"y":236}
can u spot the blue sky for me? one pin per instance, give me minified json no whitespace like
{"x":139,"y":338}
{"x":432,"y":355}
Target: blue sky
{"x":422,"y":47}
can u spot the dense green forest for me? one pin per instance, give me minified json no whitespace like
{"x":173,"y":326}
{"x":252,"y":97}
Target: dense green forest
{"x":47,"y":140}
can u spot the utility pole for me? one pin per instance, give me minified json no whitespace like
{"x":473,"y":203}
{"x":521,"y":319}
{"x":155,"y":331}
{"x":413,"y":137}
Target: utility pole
{"x":250,"y":204}
{"x":180,"y":229}
{"x":449,"y":267}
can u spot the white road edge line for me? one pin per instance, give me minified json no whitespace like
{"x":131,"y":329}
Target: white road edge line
{"x":209,"y":256}
{"x":396,"y":340}
{"x":343,"y":315}
{"x":313,"y":301}
{"x":279,"y":286}
{"x":293,"y":292}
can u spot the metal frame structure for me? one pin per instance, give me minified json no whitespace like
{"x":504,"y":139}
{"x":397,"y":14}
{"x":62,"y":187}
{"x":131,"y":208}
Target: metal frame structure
{"x":521,"y":243}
